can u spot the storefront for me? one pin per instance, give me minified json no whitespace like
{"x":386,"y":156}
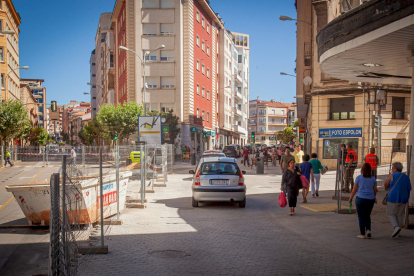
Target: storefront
{"x":332,"y":138}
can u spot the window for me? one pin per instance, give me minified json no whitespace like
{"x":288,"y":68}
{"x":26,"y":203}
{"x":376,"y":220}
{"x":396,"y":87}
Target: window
{"x":167,"y":82}
{"x":203,"y":45}
{"x":198,"y":89}
{"x":208,"y":116}
{"x":203,"y":115}
{"x":208,"y":73}
{"x":152,"y":57}
{"x":149,"y":4}
{"x":263,"y":138}
{"x":1,"y":25}
{"x":198,"y":41}
{"x":166,"y":4}
{"x":331,"y":151}
{"x":208,"y":28}
{"x":166,"y":29}
{"x":203,"y":92}
{"x":208,"y":50}
{"x":398,"y":107}
{"x":167,"y":108}
{"x":198,"y":16}
{"x":398,"y":145}
{"x":208,"y":94}
{"x":203,"y":23}
{"x":203,"y":69}
{"x":149,"y":29}
{"x":198,"y":112}
{"x":167,"y":56}
{"x":2,"y":80}
{"x":152,"y":82}
{"x":342,"y":108}
{"x":198,"y":65}
{"x":1,"y":54}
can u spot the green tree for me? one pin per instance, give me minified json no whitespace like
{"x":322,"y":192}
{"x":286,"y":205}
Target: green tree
{"x":296,"y":123}
{"x":171,"y":120}
{"x":13,"y":120}
{"x":287,"y":134}
{"x":122,"y":119}
{"x":38,"y":135}
{"x":90,"y":132}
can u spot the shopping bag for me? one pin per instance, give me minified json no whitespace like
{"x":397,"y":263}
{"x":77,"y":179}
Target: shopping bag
{"x":282,"y":200}
{"x":305,"y":182}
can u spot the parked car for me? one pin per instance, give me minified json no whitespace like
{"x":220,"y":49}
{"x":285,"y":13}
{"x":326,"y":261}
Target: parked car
{"x":232,"y":151}
{"x":212,"y":154}
{"x":218,"y":179}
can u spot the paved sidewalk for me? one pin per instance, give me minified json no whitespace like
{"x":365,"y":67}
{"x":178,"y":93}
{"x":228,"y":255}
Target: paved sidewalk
{"x":170,"y":237}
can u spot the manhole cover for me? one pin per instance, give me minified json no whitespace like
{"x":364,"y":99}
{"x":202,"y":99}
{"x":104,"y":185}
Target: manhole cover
{"x":170,"y":254}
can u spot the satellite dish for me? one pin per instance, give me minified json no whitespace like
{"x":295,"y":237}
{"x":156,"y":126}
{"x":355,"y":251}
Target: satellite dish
{"x":307,"y":80}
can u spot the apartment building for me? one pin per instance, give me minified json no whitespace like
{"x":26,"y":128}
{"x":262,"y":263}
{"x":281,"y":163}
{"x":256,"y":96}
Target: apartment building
{"x":184,"y":74}
{"x":9,"y":52}
{"x":266,"y":118}
{"x":102,"y":65}
{"x":334,"y":107}
{"x":27,"y":98}
{"x":55,"y":122}
{"x":39,"y":93}
{"x":70,"y":121}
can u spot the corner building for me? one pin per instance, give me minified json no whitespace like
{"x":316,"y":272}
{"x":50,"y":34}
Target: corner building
{"x":183,"y":77}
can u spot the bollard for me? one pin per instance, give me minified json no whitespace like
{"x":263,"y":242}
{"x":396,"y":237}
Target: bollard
{"x":193,"y":158}
{"x":260,"y":165}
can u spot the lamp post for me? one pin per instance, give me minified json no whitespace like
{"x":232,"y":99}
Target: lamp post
{"x":285,"y":74}
{"x":287,"y":18}
{"x":143,"y":62}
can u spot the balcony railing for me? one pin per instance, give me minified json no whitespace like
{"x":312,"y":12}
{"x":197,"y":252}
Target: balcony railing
{"x":238,"y":112}
{"x":238,"y":78}
{"x":238,"y":95}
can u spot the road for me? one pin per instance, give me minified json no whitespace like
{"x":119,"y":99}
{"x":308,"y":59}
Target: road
{"x":22,"y":247}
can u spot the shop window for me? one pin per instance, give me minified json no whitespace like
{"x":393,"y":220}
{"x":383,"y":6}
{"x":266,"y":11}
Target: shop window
{"x":398,"y":145}
{"x":342,"y":108}
{"x":398,"y":107}
{"x":331,"y":146}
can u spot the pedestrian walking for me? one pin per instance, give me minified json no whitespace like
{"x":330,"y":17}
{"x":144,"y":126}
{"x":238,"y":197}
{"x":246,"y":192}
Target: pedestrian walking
{"x":246,"y":157}
{"x":316,"y":167}
{"x":290,"y":179}
{"x":284,"y":163}
{"x":307,"y":171}
{"x":73,"y":155}
{"x":365,"y":189}
{"x":398,"y":185}
{"x":8,"y":156}
{"x":298,"y":154}
{"x":351,"y":162}
{"x":373,"y":160}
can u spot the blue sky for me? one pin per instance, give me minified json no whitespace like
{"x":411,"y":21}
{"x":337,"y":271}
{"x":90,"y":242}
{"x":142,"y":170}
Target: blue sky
{"x":57,"y":37}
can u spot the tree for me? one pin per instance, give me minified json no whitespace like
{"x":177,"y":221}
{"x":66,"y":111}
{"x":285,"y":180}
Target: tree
{"x":287,"y":134}
{"x":38,"y":135}
{"x":122,"y":119}
{"x":90,"y":132}
{"x":171,"y":120}
{"x":13,"y":120}
{"x":65,"y":136}
{"x":296,"y":123}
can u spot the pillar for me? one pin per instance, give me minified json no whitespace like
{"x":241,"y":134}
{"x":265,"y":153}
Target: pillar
{"x":411,"y":133}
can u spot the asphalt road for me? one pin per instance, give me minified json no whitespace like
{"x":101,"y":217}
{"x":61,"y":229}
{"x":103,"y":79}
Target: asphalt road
{"x":22,"y":247}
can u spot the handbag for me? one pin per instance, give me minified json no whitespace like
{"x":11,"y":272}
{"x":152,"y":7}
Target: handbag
{"x":282,"y":200}
{"x":385,"y":200}
{"x":305,"y":182}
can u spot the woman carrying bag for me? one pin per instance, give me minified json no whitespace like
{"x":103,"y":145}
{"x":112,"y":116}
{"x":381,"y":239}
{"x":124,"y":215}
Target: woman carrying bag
{"x":291,"y":178}
{"x":365,"y":188}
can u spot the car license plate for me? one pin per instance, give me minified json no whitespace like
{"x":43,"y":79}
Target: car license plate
{"x":219,"y":182}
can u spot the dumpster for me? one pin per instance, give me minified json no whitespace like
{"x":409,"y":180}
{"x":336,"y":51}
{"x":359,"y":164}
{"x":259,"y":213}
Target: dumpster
{"x":83,"y":200}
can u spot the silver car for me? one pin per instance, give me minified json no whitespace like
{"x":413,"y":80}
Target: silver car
{"x":218,"y":179}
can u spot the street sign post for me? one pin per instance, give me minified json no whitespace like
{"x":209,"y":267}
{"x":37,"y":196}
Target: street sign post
{"x":149,"y":129}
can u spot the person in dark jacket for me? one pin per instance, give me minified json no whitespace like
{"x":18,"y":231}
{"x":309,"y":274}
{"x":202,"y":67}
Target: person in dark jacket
{"x":290,"y":180}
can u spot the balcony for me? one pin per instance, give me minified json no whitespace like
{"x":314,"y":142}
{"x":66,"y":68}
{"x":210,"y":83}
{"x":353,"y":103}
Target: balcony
{"x":37,"y":96}
{"x":252,"y":123}
{"x":238,"y":112}
{"x":238,"y":95}
{"x":277,"y":115}
{"x":238,"y":78}
{"x":356,"y":45}
{"x":239,"y":129}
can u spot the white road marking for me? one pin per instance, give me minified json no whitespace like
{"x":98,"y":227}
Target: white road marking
{"x":25,"y":177}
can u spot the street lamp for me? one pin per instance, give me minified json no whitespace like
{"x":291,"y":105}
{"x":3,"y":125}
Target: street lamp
{"x":285,"y":74}
{"x":143,"y":62}
{"x":85,"y":93}
{"x":287,"y":18}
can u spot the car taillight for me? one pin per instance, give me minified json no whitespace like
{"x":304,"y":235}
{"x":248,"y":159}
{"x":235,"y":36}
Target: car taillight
{"x":241,"y":179}
{"x":197,"y":178}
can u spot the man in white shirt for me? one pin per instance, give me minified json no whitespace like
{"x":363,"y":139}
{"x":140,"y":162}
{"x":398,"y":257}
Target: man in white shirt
{"x":73,"y":155}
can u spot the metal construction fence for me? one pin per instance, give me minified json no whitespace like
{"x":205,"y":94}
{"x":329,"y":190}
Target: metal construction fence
{"x":89,"y":196}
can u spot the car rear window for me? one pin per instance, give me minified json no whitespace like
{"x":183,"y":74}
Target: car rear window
{"x":211,"y":168}
{"x":213,"y":155}
{"x":228,"y":148}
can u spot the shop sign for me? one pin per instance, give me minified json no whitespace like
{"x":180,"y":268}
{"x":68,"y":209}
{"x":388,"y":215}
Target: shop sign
{"x":340,"y":132}
{"x":193,"y":129}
